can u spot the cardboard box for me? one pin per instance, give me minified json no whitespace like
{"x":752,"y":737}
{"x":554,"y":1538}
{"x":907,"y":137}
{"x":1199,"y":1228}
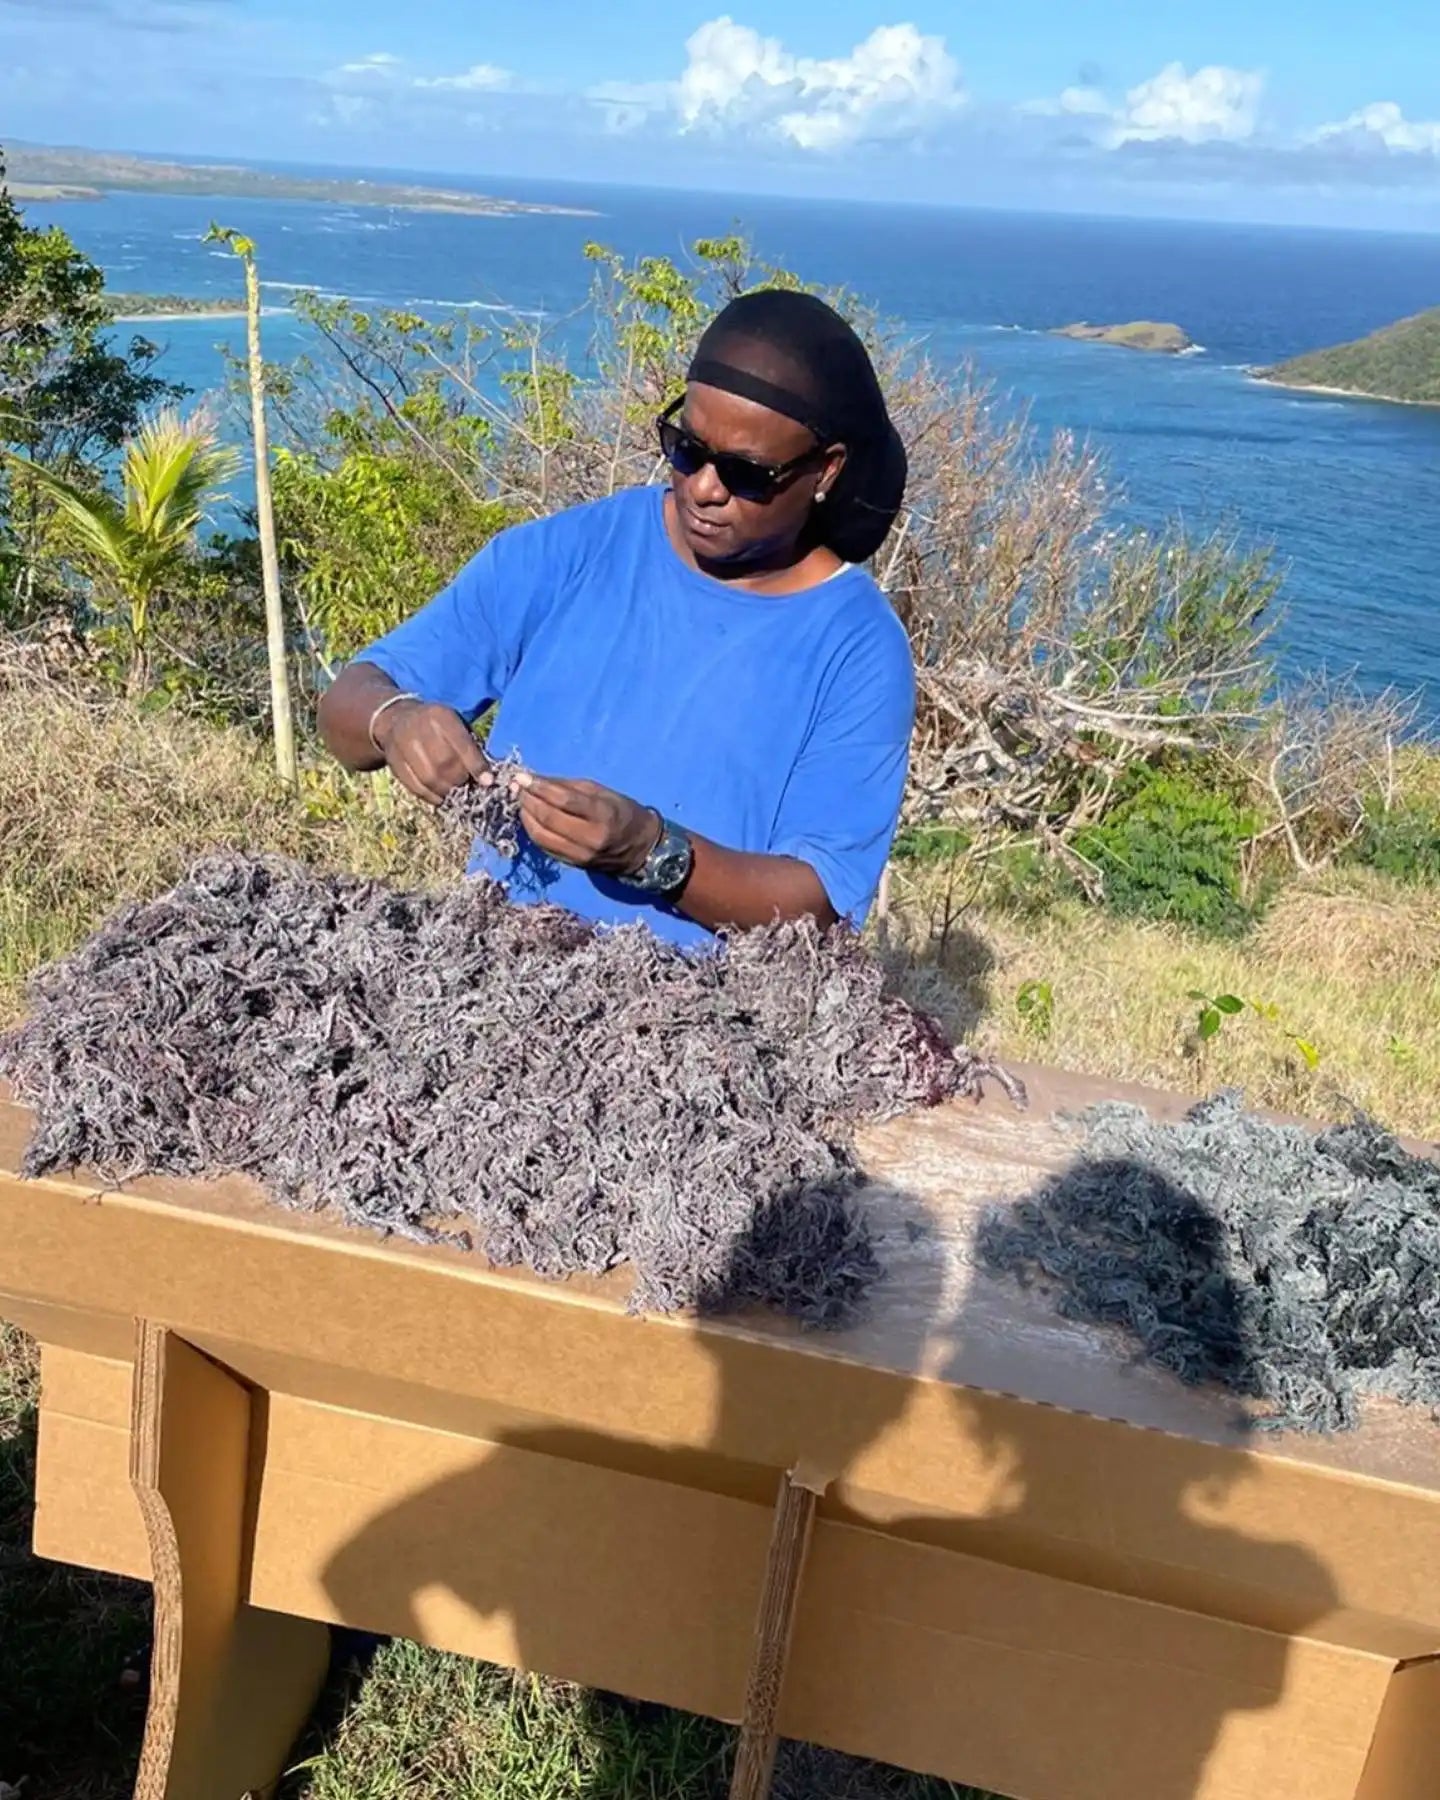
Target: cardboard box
{"x":1038,"y":1567}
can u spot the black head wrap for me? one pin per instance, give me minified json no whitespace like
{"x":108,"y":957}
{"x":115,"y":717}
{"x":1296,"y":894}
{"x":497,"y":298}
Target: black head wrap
{"x":796,"y":355}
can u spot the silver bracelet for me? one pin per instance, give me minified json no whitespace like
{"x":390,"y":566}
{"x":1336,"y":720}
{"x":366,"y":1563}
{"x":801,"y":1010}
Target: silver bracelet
{"x":394,"y":700}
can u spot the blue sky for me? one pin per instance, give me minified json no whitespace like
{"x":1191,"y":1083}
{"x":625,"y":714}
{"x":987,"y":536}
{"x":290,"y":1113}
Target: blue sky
{"x":1266,"y":109}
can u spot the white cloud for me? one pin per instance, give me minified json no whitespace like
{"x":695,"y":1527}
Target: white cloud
{"x":382,"y":69}
{"x":892,"y":85}
{"x":1215,"y":104}
{"x":478,"y":78}
{"x":381,"y":63}
{"x":1382,"y":126}
{"x":1082,"y":101}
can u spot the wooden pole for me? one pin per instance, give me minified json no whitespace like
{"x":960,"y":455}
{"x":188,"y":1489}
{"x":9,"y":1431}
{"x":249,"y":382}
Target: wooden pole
{"x":774,"y":1628}
{"x":282,"y":716}
{"x":281,"y":713}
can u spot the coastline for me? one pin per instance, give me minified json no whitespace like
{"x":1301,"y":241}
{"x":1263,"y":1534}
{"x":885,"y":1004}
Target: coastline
{"x":51,"y":191}
{"x":38,"y":172}
{"x":459,"y":208}
{"x":1337,"y":393}
{"x":197,"y":312}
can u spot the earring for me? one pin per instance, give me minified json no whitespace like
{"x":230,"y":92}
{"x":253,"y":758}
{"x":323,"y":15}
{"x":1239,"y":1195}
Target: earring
{"x":820,"y":498}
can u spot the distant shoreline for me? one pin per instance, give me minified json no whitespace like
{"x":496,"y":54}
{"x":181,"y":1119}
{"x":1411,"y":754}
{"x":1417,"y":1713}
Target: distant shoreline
{"x":1338,"y":393}
{"x":170,"y":318}
{"x":70,"y":174}
{"x":149,"y":309}
{"x":50,"y":191}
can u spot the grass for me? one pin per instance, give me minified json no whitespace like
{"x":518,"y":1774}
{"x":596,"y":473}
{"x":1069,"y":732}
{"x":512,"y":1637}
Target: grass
{"x":70,"y":1702}
{"x":1350,"y":963}
{"x":103,"y":805}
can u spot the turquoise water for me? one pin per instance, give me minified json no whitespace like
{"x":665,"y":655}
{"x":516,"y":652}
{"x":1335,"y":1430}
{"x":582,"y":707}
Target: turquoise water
{"x":1347,"y":492}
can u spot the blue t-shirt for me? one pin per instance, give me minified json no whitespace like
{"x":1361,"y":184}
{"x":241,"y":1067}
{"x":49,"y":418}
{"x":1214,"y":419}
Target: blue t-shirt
{"x":777,"y":724}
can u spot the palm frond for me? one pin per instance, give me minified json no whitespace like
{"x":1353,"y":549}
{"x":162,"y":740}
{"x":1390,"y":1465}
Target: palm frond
{"x":172,"y":470}
{"x":95,"y":518}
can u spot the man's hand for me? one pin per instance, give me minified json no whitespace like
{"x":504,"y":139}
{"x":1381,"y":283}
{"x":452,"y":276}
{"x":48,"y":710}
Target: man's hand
{"x":586,"y":825}
{"x":431,"y":749}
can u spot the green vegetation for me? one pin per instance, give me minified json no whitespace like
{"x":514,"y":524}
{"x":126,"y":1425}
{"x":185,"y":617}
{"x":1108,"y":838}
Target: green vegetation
{"x":67,"y":395}
{"x":135,"y":545}
{"x":107,"y":170}
{"x":1171,"y":849}
{"x":138,"y":308}
{"x":1403,"y":844}
{"x":1111,"y":813}
{"x":1401,"y":362}
{"x":1140,"y":334}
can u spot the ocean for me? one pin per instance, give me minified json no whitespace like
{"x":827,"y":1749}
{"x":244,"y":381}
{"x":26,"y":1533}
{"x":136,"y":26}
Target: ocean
{"x":1346,"y":492}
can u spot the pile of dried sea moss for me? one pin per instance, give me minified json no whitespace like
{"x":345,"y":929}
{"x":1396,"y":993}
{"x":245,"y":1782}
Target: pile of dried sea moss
{"x":1298,"y":1269}
{"x":576,"y":1099}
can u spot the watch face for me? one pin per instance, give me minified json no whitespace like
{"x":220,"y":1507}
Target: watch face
{"x":667,"y":868}
{"x":671,"y":867}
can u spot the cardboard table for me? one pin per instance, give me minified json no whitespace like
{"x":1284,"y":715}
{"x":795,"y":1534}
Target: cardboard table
{"x":1035,"y":1566}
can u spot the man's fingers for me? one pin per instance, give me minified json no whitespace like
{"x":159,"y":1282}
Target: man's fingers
{"x":580,"y":799}
{"x":554,"y":845}
{"x":556,"y":832}
{"x":470,"y":754}
{"x":584,"y":834}
{"x":421,"y":785}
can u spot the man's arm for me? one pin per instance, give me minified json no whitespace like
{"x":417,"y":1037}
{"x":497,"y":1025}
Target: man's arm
{"x":742,"y":888}
{"x":431,"y":748}
{"x":346,"y":710}
{"x":592,"y":827}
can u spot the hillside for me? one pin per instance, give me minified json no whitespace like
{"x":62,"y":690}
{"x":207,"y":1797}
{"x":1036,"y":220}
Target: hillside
{"x":1401,"y":362}
{"x":33,"y":166}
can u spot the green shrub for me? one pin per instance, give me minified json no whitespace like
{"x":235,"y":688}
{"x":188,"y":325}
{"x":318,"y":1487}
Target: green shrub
{"x":1170,"y":849}
{"x":1404,"y":844}
{"x":369,"y":538}
{"x":931,"y":842}
{"x":1026,"y":882}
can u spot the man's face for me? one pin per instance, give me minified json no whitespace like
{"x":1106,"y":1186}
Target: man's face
{"x":717,"y":527}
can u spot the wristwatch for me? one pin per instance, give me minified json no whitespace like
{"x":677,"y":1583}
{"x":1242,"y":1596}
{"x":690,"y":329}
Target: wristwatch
{"x":666,"y":869}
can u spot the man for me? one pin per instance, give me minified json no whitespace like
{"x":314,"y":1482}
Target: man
{"x":719,"y":697}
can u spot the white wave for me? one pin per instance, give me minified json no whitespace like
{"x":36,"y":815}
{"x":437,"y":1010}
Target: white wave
{"x":309,"y":287}
{"x":487,"y":306}
{"x":1194,"y":350}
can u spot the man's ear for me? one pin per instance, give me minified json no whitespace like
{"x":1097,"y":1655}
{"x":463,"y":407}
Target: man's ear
{"x":834,"y":463}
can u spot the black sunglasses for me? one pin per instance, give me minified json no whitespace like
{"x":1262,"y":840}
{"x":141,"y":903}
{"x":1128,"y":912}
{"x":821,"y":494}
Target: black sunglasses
{"x":741,"y":476}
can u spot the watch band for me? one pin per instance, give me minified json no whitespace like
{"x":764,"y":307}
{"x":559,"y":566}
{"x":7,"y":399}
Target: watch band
{"x":667,"y":868}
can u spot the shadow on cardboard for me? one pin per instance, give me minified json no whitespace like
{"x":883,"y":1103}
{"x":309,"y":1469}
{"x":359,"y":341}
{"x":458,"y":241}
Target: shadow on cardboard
{"x":375,"y":1580}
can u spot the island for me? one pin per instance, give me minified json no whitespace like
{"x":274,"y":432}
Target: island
{"x":68,"y":173}
{"x":134,"y":309}
{"x":1140,"y":334}
{"x":1401,"y":363}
